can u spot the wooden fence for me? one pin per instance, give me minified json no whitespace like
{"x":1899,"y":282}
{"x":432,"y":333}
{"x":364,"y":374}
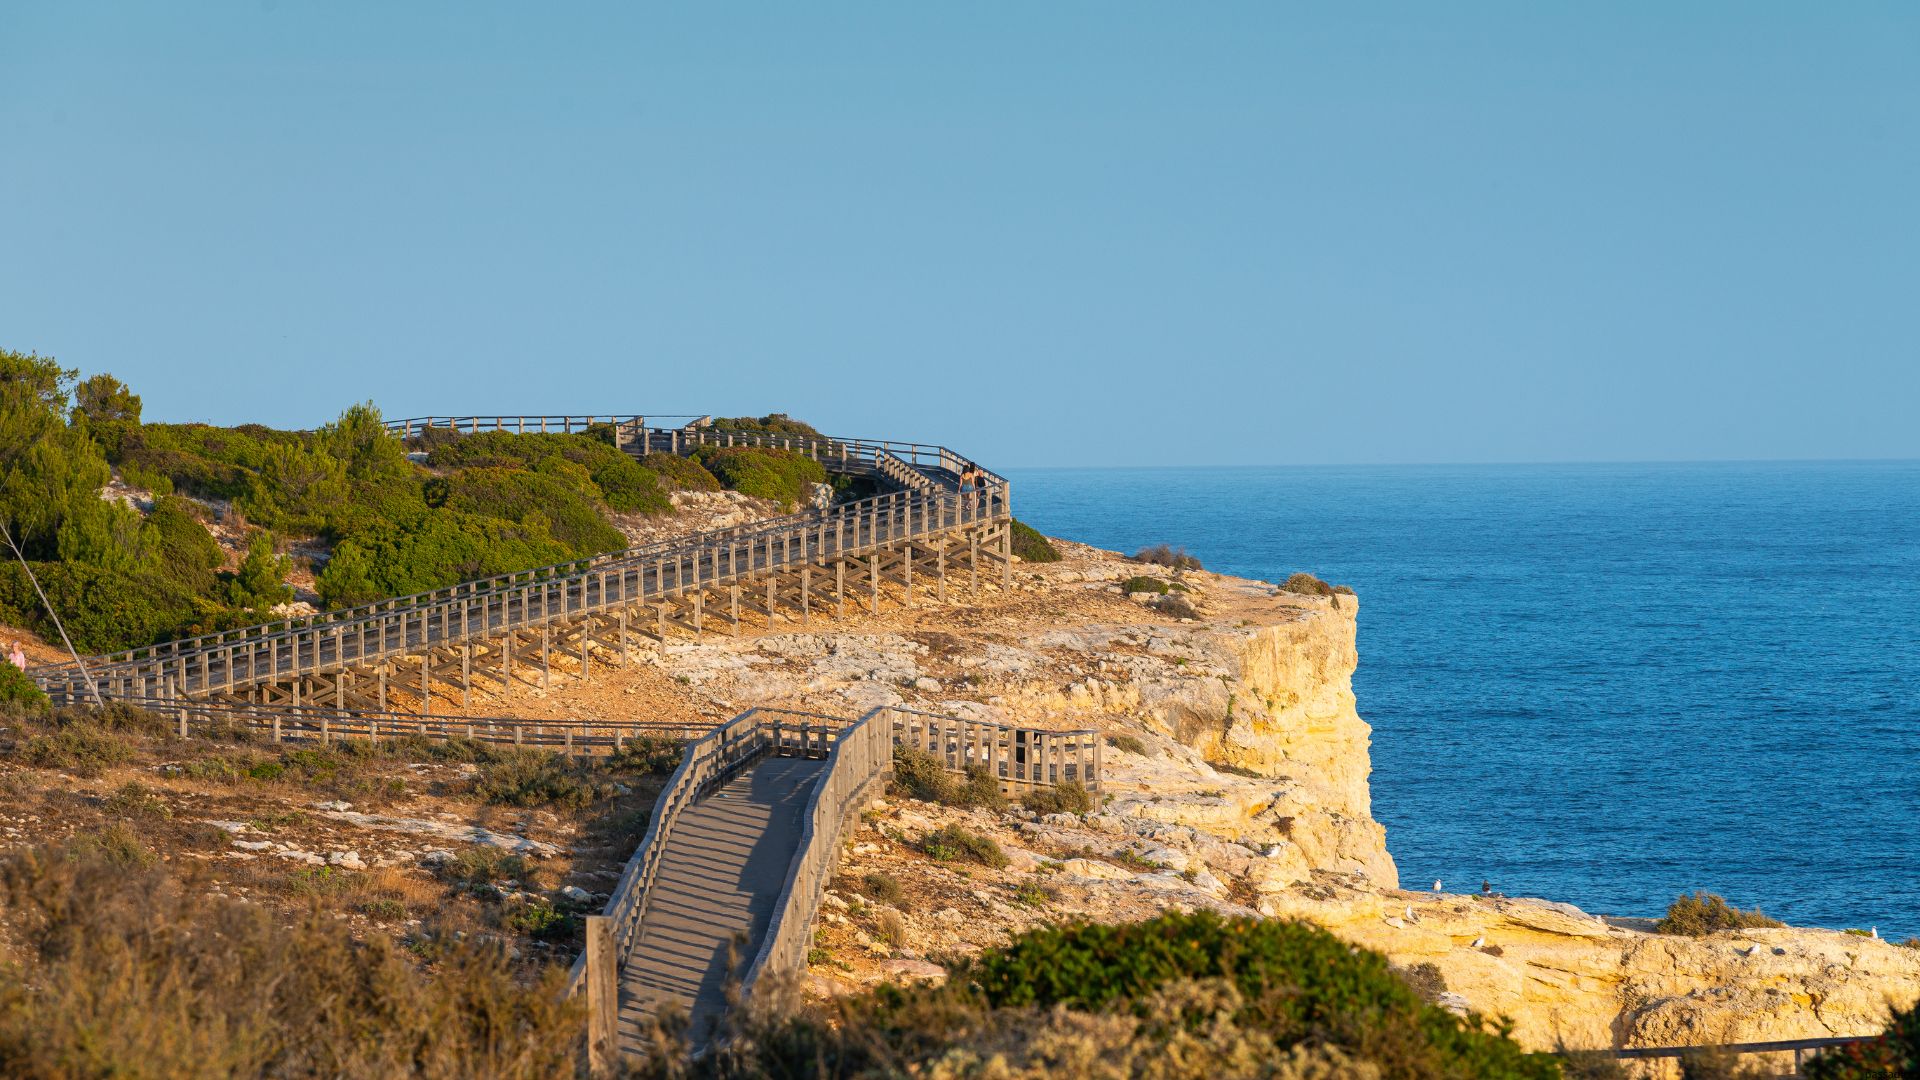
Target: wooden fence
{"x":856,"y":772}
{"x":303,"y":723}
{"x":1015,"y":756}
{"x":564,"y":593}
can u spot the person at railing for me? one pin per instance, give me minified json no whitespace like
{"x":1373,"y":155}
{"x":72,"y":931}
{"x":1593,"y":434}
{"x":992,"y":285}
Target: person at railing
{"x":16,"y":655}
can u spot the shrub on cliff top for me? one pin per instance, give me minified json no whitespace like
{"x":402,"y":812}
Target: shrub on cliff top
{"x":952,"y":843}
{"x":1305,"y":584}
{"x":1067,"y":798}
{"x":782,"y":476}
{"x":1704,"y":913}
{"x":681,"y":473}
{"x":1179,"y":996}
{"x":1031,"y":546}
{"x":1162,"y":555}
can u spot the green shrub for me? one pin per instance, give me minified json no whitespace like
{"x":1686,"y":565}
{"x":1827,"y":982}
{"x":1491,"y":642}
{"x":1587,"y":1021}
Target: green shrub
{"x":1305,"y":584}
{"x":681,"y":473}
{"x":647,"y":755}
{"x":1171,"y":557}
{"x":771,"y":424}
{"x":540,"y":502}
{"x":438,"y":549}
{"x":136,"y":800}
{"x":1130,"y":743}
{"x":1031,"y":546}
{"x":539,"y":919}
{"x":261,"y":580}
{"x":484,"y":865}
{"x":919,"y":774}
{"x":622,"y":483}
{"x":538,"y":778}
{"x":883,"y":887}
{"x":953,"y":843}
{"x":1704,"y":913}
{"x":181,"y":544}
{"x":17,"y":689}
{"x":1035,"y":894}
{"x":1068,"y":798}
{"x":1182,"y":995}
{"x":115,"y":844}
{"x":781,"y":476}
{"x":1140,"y":583}
{"x":80,"y":747}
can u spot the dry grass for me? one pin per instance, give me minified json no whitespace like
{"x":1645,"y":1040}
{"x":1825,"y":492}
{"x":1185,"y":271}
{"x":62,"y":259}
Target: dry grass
{"x":133,"y":972}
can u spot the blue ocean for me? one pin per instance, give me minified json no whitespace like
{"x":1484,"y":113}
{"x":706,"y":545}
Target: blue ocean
{"x":1603,"y":684}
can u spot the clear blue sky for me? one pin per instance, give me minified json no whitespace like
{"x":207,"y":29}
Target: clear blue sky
{"x":1049,"y":234}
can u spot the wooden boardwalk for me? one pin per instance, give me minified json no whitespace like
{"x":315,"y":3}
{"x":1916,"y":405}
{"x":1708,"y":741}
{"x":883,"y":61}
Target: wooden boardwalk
{"x":904,"y":544}
{"x":721,"y":874}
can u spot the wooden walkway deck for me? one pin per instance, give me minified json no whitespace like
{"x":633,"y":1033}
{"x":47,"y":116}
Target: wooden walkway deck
{"x":720,"y":876}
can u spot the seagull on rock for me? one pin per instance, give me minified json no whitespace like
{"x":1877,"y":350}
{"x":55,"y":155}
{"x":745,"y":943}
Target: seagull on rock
{"x":1479,"y":941}
{"x":1411,"y":917}
{"x":1436,"y":884}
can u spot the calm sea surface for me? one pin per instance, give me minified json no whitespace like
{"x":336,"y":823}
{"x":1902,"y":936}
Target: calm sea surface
{"x":1603,"y":684}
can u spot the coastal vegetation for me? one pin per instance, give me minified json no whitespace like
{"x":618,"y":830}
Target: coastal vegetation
{"x":210,"y":524}
{"x":1031,"y":546}
{"x":1177,"y":996}
{"x":1171,"y":557}
{"x":1702,"y":913}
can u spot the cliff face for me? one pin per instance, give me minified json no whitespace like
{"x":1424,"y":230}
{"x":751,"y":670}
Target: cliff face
{"x":1260,"y":685}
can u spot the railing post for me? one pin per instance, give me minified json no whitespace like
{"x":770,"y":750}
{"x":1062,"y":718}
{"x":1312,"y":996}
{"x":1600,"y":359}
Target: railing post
{"x":603,"y":997}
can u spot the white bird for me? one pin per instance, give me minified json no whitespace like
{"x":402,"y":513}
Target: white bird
{"x":1436,"y":884}
{"x":1410,"y":916}
{"x":1479,"y":941}
{"x":1873,"y":932}
{"x":1748,"y":951}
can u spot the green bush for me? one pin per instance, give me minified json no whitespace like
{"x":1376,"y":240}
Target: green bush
{"x":781,"y":476}
{"x":1704,"y":913}
{"x":539,"y":778}
{"x":681,"y":473}
{"x":538,"y":502}
{"x":1067,"y":798}
{"x":953,"y":843}
{"x":261,"y":581}
{"x":622,"y":483}
{"x":17,"y":689}
{"x":646,"y":755}
{"x":1181,"y":995}
{"x":1140,"y":583}
{"x":432,"y":551}
{"x":182,"y":547}
{"x":1130,"y":743}
{"x":1305,"y":584}
{"x":104,"y":610}
{"x":1328,"y":986}
{"x":771,"y":424}
{"x":918,"y":774}
{"x":883,"y":887}
{"x":1170,"y":557}
{"x":1031,"y":546}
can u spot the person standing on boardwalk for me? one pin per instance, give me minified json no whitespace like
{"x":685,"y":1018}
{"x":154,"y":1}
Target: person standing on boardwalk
{"x":16,"y":655}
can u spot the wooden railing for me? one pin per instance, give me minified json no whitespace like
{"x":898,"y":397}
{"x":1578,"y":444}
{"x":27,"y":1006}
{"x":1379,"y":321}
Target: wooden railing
{"x":710,"y":761}
{"x":856,"y":772}
{"x":307,"y":723}
{"x":1015,"y":756}
{"x":1801,"y":1049}
{"x":529,"y":599}
{"x":859,"y":757}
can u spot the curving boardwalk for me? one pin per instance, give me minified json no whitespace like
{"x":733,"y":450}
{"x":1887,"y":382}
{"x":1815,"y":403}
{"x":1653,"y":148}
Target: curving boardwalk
{"x":724,"y":888}
{"x":720,"y":880}
{"x":904,"y":542}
